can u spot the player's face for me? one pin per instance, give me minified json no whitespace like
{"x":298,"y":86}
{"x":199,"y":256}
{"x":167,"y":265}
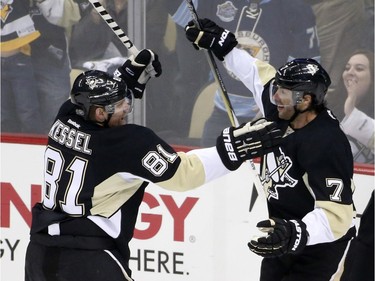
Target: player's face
{"x":283,"y":98}
{"x":357,"y":75}
{"x":122,"y":109}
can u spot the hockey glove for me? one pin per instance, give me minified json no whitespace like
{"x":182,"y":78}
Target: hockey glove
{"x":248,"y":141}
{"x":137,"y":71}
{"x":284,"y":237}
{"x":212,"y":37}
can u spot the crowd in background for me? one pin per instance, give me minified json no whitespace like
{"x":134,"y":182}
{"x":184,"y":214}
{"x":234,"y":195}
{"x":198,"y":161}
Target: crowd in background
{"x":43,"y":40}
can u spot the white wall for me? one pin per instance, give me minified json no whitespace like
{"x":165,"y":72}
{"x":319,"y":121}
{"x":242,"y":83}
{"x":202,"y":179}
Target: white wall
{"x":206,"y":239}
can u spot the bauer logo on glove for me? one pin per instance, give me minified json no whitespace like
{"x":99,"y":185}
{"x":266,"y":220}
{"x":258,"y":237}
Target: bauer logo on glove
{"x":227,"y":140}
{"x":248,"y":141}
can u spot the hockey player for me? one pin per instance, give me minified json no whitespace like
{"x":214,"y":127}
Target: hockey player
{"x":97,"y":168}
{"x":308,"y":178}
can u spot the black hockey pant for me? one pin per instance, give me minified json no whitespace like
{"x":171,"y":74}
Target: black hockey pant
{"x":51,"y":263}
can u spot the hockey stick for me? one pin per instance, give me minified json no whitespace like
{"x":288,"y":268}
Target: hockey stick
{"x":119,"y":32}
{"x":224,"y":94}
{"x":114,"y":26}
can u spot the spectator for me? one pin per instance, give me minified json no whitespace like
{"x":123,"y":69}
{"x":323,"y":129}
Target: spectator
{"x":340,"y":29}
{"x":93,"y":40}
{"x":54,"y":19}
{"x":260,"y":31}
{"x":359,"y":123}
{"x":20,"y":111}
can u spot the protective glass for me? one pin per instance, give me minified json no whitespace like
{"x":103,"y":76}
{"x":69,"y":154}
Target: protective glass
{"x":296,"y":96}
{"x":129,"y":99}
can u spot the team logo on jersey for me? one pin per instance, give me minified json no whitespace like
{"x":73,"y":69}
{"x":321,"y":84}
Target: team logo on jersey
{"x":5,"y":9}
{"x":226,"y":11}
{"x":254,"y":44}
{"x":275,"y":174}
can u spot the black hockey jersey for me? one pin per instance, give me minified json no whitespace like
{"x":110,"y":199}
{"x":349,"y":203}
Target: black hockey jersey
{"x":95,"y":177}
{"x":309,"y":176}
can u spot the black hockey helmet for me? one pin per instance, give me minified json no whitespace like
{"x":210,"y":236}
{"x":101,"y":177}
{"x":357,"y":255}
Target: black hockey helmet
{"x":304,"y":76}
{"x":95,"y":87}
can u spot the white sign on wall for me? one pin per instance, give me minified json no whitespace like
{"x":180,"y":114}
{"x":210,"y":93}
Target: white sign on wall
{"x":196,"y":235}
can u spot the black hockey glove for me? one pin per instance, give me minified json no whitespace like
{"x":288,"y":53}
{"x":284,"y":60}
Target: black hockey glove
{"x":284,"y":237}
{"x":248,"y":141}
{"x":137,"y":71}
{"x":212,"y":37}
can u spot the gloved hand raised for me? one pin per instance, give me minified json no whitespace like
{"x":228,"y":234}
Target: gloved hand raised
{"x":283,"y":237}
{"x":137,"y":71}
{"x":213,"y":37}
{"x":248,"y":141}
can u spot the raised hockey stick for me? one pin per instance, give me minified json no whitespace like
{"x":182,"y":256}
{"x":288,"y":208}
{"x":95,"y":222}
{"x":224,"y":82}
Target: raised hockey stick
{"x":225,"y":97}
{"x":114,"y":26}
{"x":119,"y":32}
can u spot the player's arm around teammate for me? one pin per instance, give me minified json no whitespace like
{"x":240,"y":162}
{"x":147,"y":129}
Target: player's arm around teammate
{"x":98,"y":166}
